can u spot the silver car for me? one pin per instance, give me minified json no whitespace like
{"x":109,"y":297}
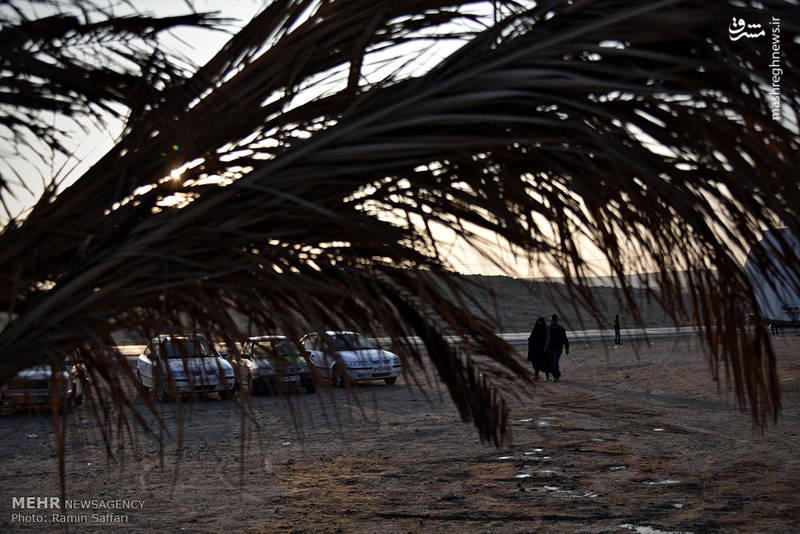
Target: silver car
{"x":173,"y":365}
{"x":350,"y":356}
{"x":271,"y":363}
{"x":43,"y":386}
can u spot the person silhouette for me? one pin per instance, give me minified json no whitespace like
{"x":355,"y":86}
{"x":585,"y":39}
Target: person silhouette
{"x":536,"y":353}
{"x":555,"y":341}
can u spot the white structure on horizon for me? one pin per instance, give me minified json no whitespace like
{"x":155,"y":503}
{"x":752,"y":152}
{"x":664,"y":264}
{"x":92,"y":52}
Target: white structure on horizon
{"x":777,"y":284}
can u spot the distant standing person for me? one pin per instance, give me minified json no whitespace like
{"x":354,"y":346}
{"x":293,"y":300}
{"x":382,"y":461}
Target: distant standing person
{"x":536,"y":354}
{"x":773,"y":328}
{"x":617,"y":338}
{"x":556,"y":340}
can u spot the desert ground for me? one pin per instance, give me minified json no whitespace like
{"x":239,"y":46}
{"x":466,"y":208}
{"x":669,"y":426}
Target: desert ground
{"x":634,"y":439}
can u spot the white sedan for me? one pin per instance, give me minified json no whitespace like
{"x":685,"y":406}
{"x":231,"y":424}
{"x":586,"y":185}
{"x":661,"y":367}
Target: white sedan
{"x":177,"y":365}
{"x":350,"y":356}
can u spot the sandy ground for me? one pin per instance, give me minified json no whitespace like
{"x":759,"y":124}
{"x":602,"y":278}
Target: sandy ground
{"x":629,"y":440}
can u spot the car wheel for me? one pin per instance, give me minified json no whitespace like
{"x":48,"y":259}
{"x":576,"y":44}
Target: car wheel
{"x":139,"y":378}
{"x":78,"y":394}
{"x":69,"y":403}
{"x":163,"y":395}
{"x":338,"y":377}
{"x":391,"y":380}
{"x":250,"y":385}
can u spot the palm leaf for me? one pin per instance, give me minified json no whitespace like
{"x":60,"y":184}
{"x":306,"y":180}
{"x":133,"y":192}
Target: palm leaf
{"x":79,"y":62}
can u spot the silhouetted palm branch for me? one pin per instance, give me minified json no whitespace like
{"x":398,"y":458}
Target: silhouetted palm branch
{"x":312,"y":195}
{"x":79,"y":61}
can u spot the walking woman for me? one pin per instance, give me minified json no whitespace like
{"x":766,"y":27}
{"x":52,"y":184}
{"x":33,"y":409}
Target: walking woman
{"x":536,"y":353}
{"x":556,"y":342}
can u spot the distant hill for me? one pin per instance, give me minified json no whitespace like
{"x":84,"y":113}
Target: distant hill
{"x":515,"y":303}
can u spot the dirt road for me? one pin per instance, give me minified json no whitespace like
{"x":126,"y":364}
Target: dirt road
{"x":623,"y":442}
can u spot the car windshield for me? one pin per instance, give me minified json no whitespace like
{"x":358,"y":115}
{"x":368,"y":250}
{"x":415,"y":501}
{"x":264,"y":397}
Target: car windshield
{"x":352,"y":342}
{"x":188,"y":348}
{"x":276,"y":347}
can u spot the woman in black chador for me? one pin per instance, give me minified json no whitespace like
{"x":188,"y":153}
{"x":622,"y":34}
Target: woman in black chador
{"x":536,"y":354}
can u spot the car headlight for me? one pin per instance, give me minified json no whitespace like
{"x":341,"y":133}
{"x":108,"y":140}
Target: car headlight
{"x":358,"y":364}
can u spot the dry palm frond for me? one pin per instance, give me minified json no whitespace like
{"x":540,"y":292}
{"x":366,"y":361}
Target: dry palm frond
{"x":310,"y":197}
{"x":77,"y":60}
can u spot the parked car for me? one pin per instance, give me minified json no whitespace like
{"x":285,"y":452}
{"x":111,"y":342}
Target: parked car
{"x":350,"y":356}
{"x":270,"y":363}
{"x":43,"y":386}
{"x":174,"y":365}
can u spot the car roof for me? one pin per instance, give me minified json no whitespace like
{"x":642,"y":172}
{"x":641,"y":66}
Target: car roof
{"x":165,"y":337}
{"x":267,"y":338}
{"x":333,"y":332}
